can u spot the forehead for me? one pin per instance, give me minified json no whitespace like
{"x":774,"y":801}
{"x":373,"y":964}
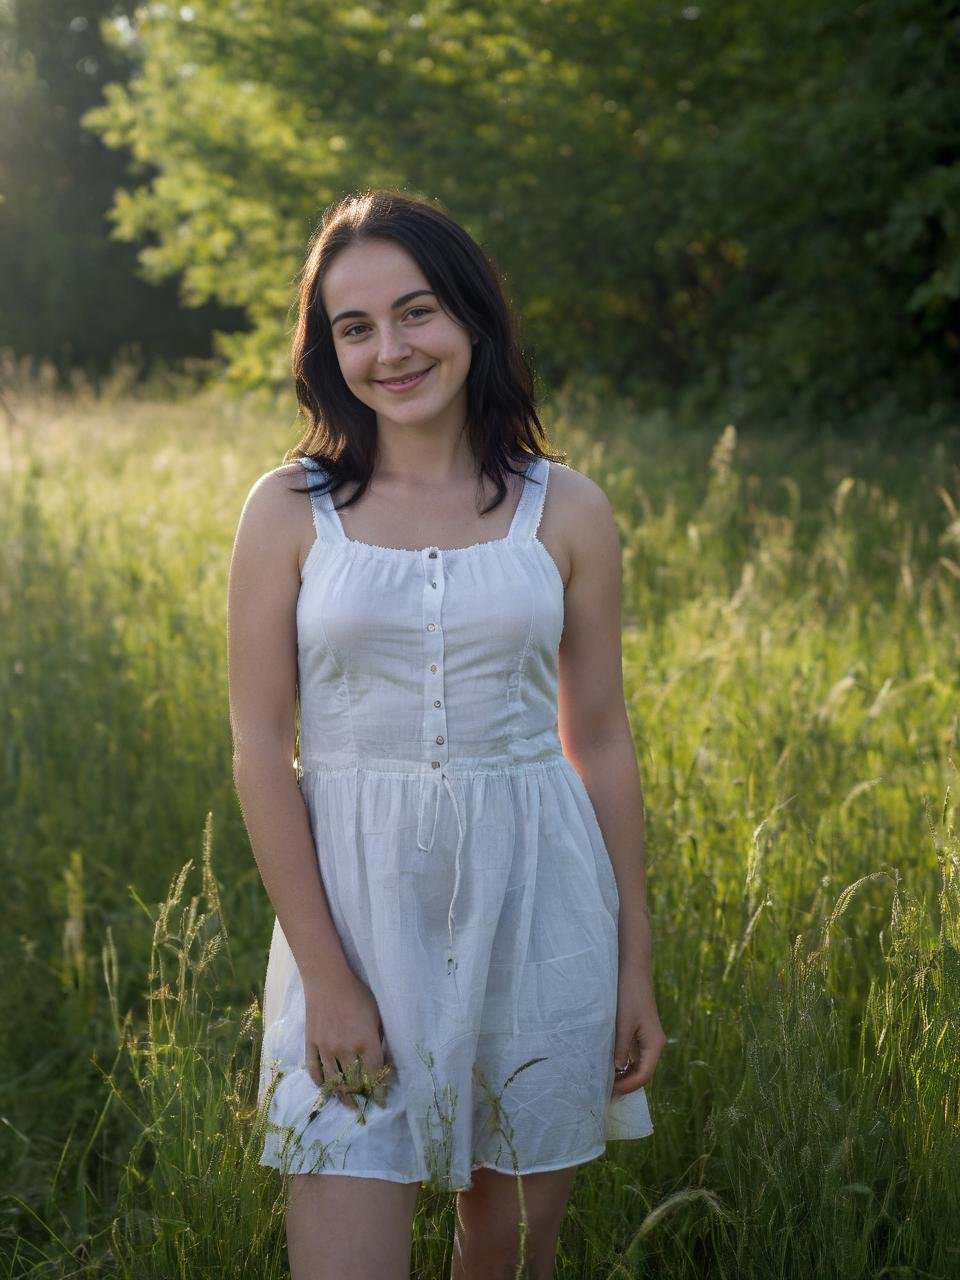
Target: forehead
{"x":369,"y":276}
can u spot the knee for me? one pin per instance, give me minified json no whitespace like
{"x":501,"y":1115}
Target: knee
{"x":490,"y":1244}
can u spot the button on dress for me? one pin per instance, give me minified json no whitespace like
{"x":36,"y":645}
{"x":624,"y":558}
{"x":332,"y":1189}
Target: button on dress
{"x":462,"y":859}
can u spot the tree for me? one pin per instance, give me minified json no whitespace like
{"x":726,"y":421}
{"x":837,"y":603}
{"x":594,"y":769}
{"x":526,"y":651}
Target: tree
{"x":68,"y":293}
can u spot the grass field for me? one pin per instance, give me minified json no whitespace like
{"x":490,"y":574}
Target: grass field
{"x":791,"y":650}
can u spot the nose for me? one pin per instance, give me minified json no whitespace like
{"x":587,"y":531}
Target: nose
{"x":393,"y":347}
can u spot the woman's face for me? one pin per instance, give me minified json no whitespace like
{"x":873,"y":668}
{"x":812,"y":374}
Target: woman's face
{"x":389,"y":325}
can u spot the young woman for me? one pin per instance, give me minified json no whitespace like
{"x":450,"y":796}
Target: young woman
{"x":459,"y":985}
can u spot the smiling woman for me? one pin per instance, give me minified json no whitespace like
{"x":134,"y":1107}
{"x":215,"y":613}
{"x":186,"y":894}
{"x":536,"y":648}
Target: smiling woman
{"x":410,"y":349}
{"x":390,"y":287}
{"x":458,"y":989}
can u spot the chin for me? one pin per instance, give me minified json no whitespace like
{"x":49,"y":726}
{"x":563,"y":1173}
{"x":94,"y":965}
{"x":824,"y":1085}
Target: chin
{"x":418,"y":413}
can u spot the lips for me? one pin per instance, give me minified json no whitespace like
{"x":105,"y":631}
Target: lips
{"x":409,"y":380}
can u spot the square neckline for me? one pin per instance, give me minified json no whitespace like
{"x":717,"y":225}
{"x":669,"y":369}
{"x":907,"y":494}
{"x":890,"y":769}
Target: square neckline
{"x":327,"y":499}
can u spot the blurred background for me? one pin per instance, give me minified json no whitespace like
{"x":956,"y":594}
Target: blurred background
{"x":742,"y":207}
{"x":731,"y":233}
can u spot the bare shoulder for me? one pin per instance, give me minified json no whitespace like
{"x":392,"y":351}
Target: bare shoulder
{"x":276,"y":523}
{"x":578,"y":521}
{"x":579,"y":494}
{"x":290,"y":475}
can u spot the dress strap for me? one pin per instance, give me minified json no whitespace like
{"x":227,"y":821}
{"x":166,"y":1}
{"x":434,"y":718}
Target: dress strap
{"x":526,"y":521}
{"x":325,"y":519}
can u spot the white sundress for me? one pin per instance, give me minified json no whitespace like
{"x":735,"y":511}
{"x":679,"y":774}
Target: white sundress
{"x":462,"y":859}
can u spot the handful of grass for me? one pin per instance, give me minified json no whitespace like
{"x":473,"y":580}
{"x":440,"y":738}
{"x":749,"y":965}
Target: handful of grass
{"x":365,"y":1086}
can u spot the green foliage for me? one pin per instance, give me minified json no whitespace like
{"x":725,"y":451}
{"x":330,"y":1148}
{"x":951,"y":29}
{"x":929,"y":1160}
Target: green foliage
{"x":736,"y":204}
{"x":187,"y":1078}
{"x":68,"y":293}
{"x":742,"y":206}
{"x":837,"y":182}
{"x":791,"y":659}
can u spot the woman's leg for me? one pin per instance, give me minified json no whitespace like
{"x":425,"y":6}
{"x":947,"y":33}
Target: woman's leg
{"x":487,"y":1241}
{"x":341,"y":1227}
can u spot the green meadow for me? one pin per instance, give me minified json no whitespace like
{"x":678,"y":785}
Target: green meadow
{"x":792,"y":666}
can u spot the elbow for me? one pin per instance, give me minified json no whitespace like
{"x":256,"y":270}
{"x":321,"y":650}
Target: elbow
{"x":261,"y":755}
{"x":598,"y":733}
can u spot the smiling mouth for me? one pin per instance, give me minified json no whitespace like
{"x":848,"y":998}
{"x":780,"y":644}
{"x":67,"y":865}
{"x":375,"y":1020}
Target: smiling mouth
{"x":402,"y":382}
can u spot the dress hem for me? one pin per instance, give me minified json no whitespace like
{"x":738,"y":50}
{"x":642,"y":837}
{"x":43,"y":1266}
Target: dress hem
{"x":393,"y":1177}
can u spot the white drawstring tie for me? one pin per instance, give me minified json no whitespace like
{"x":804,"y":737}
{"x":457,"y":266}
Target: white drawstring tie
{"x":442,"y":778}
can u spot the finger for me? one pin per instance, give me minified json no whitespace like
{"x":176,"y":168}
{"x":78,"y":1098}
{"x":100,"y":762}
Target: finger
{"x":627,"y":1082}
{"x":371,"y":1059}
{"x":642,"y":1064}
{"x":338,"y":1069}
{"x":329,"y":1068}
{"x":620,"y":1075}
{"x":625,"y":1067}
{"x":368,"y":1062}
{"x":624,"y":1047}
{"x":646,"y":1065}
{"x":311,"y":1064}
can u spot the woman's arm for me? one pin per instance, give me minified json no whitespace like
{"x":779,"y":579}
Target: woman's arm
{"x":262,"y":657}
{"x":597,"y":740}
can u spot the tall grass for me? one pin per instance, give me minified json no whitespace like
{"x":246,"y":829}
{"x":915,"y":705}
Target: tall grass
{"x":791,"y":655}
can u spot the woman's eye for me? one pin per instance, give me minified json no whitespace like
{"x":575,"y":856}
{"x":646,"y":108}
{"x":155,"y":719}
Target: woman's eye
{"x":414,"y":313}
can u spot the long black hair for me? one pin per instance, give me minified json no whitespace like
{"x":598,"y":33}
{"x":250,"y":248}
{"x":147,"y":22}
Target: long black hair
{"x":341,"y":433}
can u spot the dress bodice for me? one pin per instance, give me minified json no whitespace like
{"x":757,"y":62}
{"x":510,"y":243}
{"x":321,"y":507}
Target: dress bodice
{"x":418,"y":659}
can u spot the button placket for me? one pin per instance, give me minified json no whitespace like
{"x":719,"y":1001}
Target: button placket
{"x":434,"y":710}
{"x":435,"y":732}
{"x":434,"y":705}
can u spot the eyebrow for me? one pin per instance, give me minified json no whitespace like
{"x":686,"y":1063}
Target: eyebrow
{"x":400,"y":302}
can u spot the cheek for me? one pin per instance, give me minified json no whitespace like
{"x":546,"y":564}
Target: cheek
{"x":351,"y":364}
{"x":458,"y":352}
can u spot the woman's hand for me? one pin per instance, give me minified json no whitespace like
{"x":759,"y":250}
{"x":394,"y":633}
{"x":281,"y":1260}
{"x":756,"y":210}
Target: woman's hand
{"x":639,"y":1038}
{"x":342,"y":1023}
